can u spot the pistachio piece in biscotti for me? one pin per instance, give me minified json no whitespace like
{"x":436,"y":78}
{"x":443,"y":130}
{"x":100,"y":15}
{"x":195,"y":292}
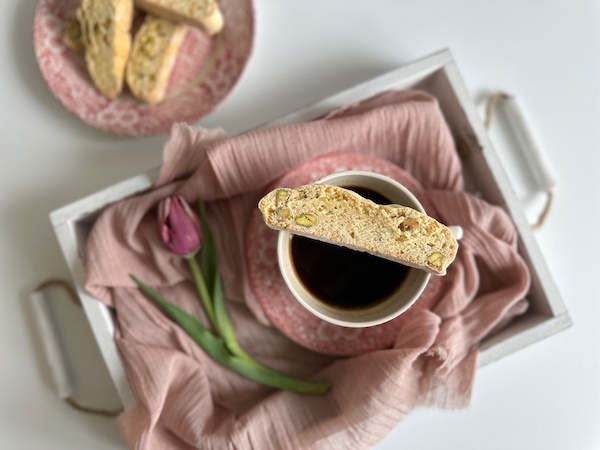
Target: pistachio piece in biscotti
{"x":435,"y":259}
{"x":306,"y":220}
{"x":284,"y":213}
{"x":72,"y":37}
{"x":282,"y":195}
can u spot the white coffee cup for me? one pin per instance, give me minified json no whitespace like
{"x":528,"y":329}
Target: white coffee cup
{"x":402,"y":298}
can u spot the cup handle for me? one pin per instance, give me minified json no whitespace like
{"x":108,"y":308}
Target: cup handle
{"x":456,"y":231}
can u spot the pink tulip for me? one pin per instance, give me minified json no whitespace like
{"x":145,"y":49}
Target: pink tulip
{"x":180,"y":227}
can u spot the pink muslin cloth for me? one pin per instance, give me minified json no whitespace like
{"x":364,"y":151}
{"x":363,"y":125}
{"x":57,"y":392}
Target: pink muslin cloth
{"x":185,"y":400}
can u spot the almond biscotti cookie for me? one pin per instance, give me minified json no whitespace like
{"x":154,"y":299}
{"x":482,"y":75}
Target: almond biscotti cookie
{"x":340,"y":216}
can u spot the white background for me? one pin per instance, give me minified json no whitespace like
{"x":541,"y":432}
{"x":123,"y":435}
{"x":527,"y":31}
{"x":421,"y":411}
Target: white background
{"x":545,"y":51}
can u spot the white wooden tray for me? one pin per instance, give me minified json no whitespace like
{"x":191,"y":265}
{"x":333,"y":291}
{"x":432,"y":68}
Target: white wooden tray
{"x":436,"y":74}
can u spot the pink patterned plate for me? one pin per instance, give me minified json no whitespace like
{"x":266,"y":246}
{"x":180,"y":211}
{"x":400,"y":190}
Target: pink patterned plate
{"x":282,"y":309}
{"x":205,"y":72}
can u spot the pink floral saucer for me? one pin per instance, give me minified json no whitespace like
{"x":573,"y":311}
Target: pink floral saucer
{"x":282,"y":309}
{"x":206,"y":71}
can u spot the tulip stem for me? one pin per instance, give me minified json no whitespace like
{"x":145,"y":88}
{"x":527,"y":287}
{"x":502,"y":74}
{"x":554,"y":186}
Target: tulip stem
{"x":208,"y":262}
{"x":224,"y":324}
{"x":215,"y":308}
{"x":203,"y":291}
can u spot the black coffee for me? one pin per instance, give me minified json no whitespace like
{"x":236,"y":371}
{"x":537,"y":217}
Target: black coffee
{"x":343,"y":277}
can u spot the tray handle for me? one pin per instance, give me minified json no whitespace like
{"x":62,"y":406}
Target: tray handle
{"x":528,"y":145}
{"x":54,"y":350}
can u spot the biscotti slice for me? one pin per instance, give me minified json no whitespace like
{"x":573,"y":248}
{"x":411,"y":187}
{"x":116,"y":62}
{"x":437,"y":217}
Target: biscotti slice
{"x":204,"y":14}
{"x":340,"y":216}
{"x":105,"y":27}
{"x":152,"y":58}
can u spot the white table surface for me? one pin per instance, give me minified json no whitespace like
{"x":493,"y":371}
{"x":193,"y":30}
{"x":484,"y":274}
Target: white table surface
{"x":546,"y":396}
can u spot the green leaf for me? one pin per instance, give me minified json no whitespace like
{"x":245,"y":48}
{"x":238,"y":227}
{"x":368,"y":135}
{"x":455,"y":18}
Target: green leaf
{"x":216,"y":349}
{"x":208,"y":253}
{"x":207,"y":341}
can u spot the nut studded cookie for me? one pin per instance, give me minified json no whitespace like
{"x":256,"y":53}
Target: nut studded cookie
{"x":342,"y":217}
{"x":105,"y":28}
{"x":152,"y":59}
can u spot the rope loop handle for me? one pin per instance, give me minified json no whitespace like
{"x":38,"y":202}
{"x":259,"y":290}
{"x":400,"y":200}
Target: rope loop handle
{"x":54,"y":350}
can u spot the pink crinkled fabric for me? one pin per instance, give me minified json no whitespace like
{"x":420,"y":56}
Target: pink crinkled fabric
{"x":185,"y":400}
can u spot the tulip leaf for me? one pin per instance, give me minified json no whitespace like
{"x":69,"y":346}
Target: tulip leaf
{"x":216,"y":349}
{"x":208,"y":253}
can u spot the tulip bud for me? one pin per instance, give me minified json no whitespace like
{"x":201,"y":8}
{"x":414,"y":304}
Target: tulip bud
{"x":180,"y":227}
